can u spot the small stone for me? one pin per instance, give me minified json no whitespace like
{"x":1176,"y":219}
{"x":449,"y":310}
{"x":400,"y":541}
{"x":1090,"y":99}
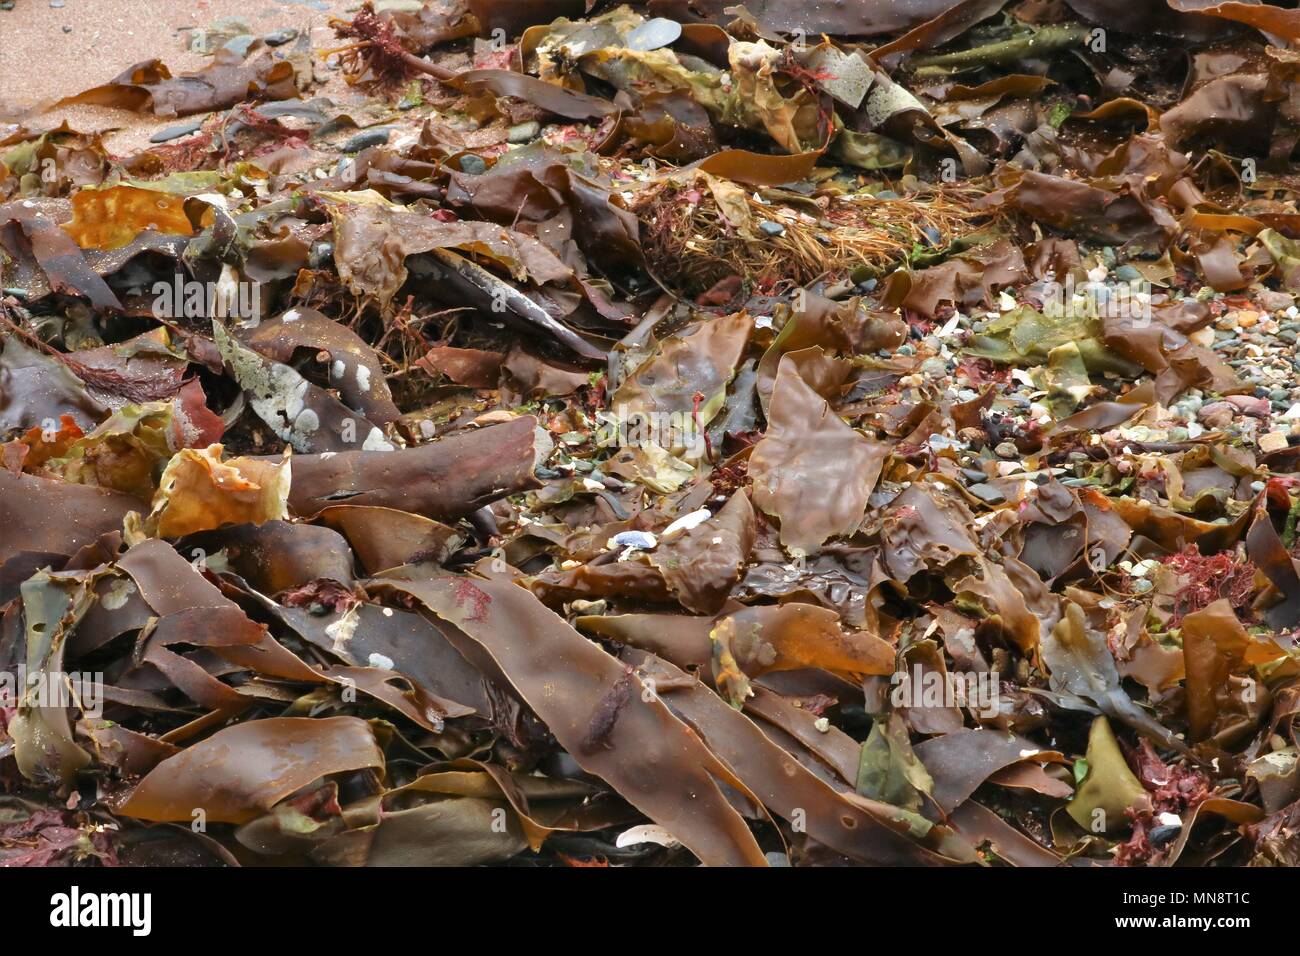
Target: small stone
{"x":240,"y":44}
{"x":56,"y":4}
{"x":367,"y":138}
{"x":6,"y":4}
{"x":653,"y":34}
{"x":772,"y":228}
{"x":67,"y":29}
{"x":1275,"y":301}
{"x":175,"y":132}
{"x":473,"y":164}
{"x":1006,"y":449}
{"x":280,"y":37}
{"x":1251,"y":405}
{"x":524,"y":132}
{"x":987,"y":493}
{"x":907,"y":348}
{"x":1217,"y":415}
{"x":1272,"y":441}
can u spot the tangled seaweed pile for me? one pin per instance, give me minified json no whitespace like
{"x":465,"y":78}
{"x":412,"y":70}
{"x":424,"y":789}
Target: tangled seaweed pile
{"x":862,"y":432}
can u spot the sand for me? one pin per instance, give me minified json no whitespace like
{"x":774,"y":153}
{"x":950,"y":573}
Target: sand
{"x":40,"y":63}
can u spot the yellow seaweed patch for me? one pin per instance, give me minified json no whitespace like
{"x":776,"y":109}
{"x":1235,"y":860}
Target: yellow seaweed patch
{"x":107,"y":219}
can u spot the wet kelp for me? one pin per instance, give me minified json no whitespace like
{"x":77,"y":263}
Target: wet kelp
{"x":662,"y":434}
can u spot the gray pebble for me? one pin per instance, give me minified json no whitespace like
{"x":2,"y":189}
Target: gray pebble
{"x":524,"y":132}
{"x":987,"y":493}
{"x":240,"y":44}
{"x":654,"y":34}
{"x":280,"y":37}
{"x":367,"y":138}
{"x":772,"y":228}
{"x":472,"y":164}
{"x":175,"y":132}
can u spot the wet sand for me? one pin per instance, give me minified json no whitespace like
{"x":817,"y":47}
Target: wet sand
{"x":40,"y":63}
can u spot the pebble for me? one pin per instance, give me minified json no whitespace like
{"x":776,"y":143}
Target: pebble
{"x":1007,"y":449}
{"x":653,"y":34}
{"x":987,"y":493}
{"x":473,"y":165}
{"x":367,"y":138}
{"x":1250,"y":405}
{"x":1273,"y":441}
{"x":1216,"y":415}
{"x":240,"y":44}
{"x":6,"y":4}
{"x":524,"y":132}
{"x":175,"y":132}
{"x":280,"y":37}
{"x":772,"y":228}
